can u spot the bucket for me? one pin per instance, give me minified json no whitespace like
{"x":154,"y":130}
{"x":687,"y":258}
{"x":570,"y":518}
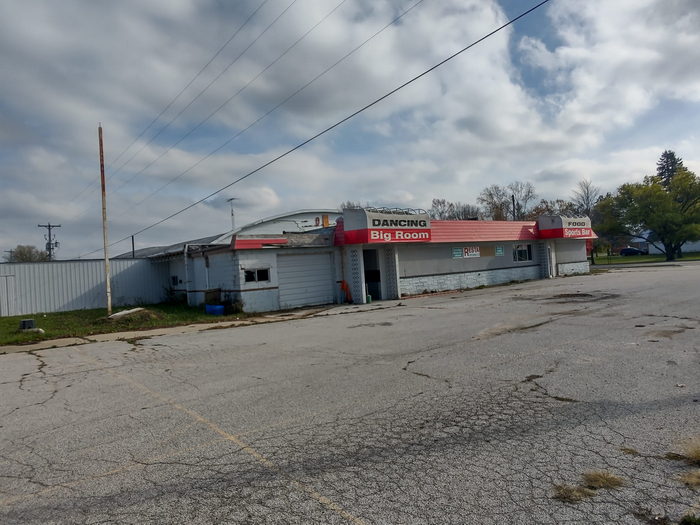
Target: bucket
{"x":214,"y":309}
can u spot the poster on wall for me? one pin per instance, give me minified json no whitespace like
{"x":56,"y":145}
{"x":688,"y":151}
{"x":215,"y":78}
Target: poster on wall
{"x":457,"y":253}
{"x":472,"y":251}
{"x":500,"y":251}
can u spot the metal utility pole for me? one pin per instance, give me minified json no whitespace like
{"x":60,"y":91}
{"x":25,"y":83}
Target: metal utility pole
{"x":104,"y":221}
{"x":51,"y":242}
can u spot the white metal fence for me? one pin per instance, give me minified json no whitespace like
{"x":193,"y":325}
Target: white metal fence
{"x":57,"y":286}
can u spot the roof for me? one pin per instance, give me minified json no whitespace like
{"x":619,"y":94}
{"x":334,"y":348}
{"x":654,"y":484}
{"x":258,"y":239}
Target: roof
{"x":161,"y":251}
{"x":475,"y":231}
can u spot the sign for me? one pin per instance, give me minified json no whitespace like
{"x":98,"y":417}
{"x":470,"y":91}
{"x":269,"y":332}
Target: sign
{"x":457,"y":253}
{"x":364,"y":226}
{"x":499,"y":251}
{"x":557,"y":227}
{"x":472,"y":251}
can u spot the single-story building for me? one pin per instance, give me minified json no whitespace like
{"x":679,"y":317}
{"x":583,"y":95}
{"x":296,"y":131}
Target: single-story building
{"x":313,"y":257}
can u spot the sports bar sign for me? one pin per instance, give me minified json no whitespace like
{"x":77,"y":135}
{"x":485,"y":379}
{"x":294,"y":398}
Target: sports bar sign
{"x":556,"y":227}
{"x":364,"y":226}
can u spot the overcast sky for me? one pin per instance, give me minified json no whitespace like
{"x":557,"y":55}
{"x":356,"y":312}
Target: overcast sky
{"x":595,"y":89}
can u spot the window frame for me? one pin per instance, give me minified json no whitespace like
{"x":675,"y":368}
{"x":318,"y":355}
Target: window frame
{"x":256,"y":275}
{"x":518,"y":250}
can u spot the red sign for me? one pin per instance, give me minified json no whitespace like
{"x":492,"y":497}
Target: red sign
{"x":380,"y":235}
{"x":566,"y":233}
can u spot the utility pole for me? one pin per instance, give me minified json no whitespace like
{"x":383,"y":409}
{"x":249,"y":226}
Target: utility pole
{"x":51,"y":242}
{"x":233,"y":217}
{"x":12,"y":255}
{"x":104,"y":221}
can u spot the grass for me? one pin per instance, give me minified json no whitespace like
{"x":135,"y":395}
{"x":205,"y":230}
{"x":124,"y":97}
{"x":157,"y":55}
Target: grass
{"x":692,"y":478}
{"x":592,"y":481}
{"x":689,"y":519}
{"x":572,"y":493}
{"x":81,"y":323}
{"x":633,"y":259}
{"x":691,"y":450}
{"x":600,"y":479}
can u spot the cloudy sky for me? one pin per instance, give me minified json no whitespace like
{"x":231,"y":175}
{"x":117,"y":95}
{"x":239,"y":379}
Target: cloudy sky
{"x":593,"y":89}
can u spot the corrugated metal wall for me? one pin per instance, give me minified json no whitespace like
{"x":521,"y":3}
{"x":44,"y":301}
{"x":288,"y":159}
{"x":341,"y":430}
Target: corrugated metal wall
{"x":74,"y":285}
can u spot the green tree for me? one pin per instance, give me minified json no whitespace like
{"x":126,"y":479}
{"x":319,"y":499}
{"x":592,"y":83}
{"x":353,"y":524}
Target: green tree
{"x":665,"y":217}
{"x":667,"y":166}
{"x":24,"y":253}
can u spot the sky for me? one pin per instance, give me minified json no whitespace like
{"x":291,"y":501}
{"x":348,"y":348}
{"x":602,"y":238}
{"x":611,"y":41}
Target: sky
{"x":194,"y":94}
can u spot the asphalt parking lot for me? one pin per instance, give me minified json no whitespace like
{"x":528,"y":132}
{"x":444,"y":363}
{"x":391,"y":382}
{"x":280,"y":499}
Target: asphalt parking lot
{"x":465,"y":407}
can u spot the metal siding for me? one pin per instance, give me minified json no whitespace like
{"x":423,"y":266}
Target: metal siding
{"x":73,"y":285}
{"x":305,"y":279}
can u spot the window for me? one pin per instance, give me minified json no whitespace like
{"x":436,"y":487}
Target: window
{"x":254,"y":276}
{"x":522,"y":252}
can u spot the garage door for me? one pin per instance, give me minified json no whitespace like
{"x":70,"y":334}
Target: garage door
{"x":305,"y":279}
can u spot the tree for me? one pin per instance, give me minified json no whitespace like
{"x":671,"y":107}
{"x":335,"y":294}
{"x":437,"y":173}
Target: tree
{"x":350,"y":205}
{"x":442,"y":209}
{"x":552,"y":207}
{"x":665,"y":217}
{"x":585,"y":196}
{"x":466,"y":212}
{"x":667,"y":166}
{"x":524,"y":193}
{"x":24,"y":253}
{"x":498,"y":200}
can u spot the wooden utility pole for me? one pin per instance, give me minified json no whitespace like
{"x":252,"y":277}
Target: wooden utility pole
{"x":104,"y":222}
{"x":51,"y":242}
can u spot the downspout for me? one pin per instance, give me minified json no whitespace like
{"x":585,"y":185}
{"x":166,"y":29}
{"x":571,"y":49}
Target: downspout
{"x":187,"y":281}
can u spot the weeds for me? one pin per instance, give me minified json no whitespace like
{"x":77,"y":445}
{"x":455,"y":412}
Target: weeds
{"x":691,"y":450}
{"x":600,"y":479}
{"x":571,"y":493}
{"x":689,"y":519}
{"x":629,"y":451}
{"x":692,"y":478}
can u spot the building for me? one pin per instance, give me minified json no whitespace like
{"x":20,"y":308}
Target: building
{"x":314,"y":257}
{"x":311,"y":257}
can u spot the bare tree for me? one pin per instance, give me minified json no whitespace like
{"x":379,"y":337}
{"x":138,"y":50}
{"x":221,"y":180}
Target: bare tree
{"x":444,"y":210}
{"x":496,"y":202}
{"x":441,"y":209}
{"x":552,"y":207}
{"x":585,"y":196}
{"x":350,"y":205}
{"x":466,"y":212}
{"x":524,"y":193}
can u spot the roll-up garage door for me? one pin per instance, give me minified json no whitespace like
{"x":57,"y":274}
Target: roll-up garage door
{"x":305,"y":279}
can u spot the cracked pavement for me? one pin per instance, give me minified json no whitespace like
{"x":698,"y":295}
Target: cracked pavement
{"x":466,"y":407}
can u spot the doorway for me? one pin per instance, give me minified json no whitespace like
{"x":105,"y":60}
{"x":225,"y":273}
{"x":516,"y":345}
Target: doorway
{"x":373,"y":281}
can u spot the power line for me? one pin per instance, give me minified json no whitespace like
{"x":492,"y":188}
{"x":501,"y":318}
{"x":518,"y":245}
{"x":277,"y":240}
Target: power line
{"x":302,"y":37}
{"x":287,"y":99}
{"x":201,"y":70}
{"x":338,"y":123}
{"x":206,"y":88}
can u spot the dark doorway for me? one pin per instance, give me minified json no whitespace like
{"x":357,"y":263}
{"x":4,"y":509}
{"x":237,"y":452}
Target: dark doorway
{"x":372,"y":277}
